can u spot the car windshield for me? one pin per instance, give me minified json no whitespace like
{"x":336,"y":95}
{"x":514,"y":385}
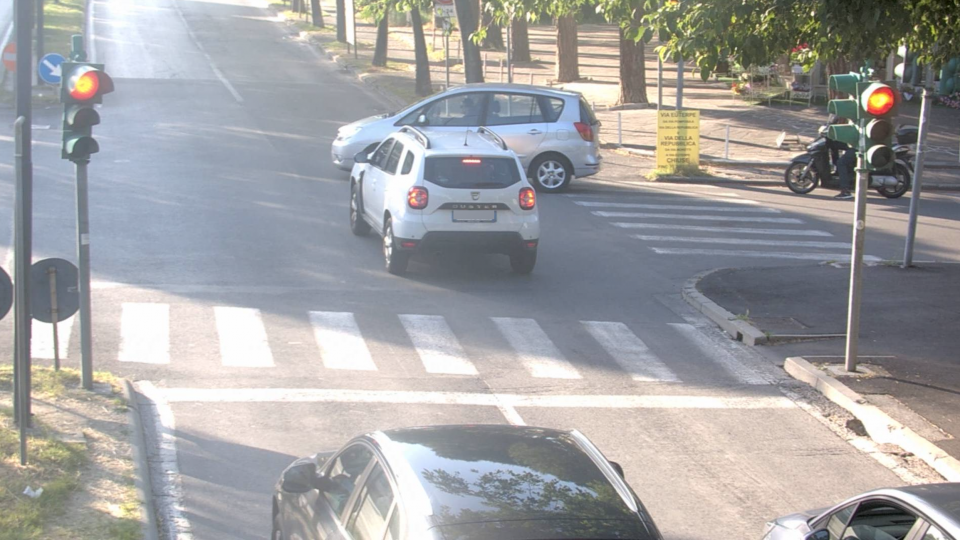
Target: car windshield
{"x":472,"y":172}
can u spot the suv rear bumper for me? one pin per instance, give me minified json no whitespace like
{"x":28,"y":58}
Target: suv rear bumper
{"x":470,"y":241}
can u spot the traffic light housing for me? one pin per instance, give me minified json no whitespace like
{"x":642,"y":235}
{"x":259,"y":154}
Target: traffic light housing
{"x":82,"y":85}
{"x":872,"y":107}
{"x":845,"y":108}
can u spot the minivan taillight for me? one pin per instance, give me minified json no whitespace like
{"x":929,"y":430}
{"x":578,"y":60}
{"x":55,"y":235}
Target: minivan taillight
{"x":528,"y":198}
{"x":585,"y":131}
{"x":417,"y":197}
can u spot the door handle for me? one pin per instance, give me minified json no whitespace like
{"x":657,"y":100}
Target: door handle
{"x":534,"y":132}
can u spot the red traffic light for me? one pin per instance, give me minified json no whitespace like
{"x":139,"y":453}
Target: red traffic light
{"x":87,"y":83}
{"x":878,"y":99}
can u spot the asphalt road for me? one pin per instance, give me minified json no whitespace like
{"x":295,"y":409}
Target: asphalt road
{"x":227,"y":283}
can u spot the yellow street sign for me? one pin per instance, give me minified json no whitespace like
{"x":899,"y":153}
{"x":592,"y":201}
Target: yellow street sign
{"x":678,"y":139}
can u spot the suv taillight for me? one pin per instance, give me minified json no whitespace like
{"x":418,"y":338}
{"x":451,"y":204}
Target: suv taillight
{"x":528,"y":198}
{"x":585,"y":131}
{"x":417,"y":197}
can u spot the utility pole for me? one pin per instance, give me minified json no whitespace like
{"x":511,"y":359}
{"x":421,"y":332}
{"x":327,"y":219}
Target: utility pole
{"x":917,"y":185}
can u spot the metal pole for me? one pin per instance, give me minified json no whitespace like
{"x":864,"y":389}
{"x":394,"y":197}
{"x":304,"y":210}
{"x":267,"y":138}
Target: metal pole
{"x":23,"y":222}
{"x":501,"y":70}
{"x":659,"y":73}
{"x":726,"y":144}
{"x":83,"y":259}
{"x":446,"y":55}
{"x":509,"y":52}
{"x":531,"y":78}
{"x":856,"y":259}
{"x":680,"y":84}
{"x":917,"y":179}
{"x":39,"y":39}
{"x":54,"y":316}
{"x":484,"y":66}
{"x":619,"y":128}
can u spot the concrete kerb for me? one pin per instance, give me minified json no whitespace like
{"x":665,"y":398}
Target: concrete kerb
{"x":738,"y":328}
{"x":880,"y":426}
{"x":148,"y":509}
{"x":365,"y":78}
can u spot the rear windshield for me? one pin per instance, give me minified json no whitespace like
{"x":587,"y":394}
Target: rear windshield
{"x":586,"y":113}
{"x":471,"y":172}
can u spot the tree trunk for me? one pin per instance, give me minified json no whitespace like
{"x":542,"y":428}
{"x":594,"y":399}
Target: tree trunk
{"x":633,"y":74}
{"x":317,"y":13}
{"x":341,"y":21}
{"x":380,"y":50}
{"x":568,"y":69}
{"x":494,"y":38}
{"x":520,"y":40}
{"x":472,"y":67}
{"x":424,"y":87}
{"x":295,"y":5}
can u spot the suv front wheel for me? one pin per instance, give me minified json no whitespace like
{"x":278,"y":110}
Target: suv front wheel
{"x":395,"y":260}
{"x":550,"y":173}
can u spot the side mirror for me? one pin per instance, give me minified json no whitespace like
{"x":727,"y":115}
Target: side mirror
{"x":300,"y":478}
{"x":617,"y":467}
{"x":361,"y":157}
{"x":422,"y":120}
{"x":819,"y":534}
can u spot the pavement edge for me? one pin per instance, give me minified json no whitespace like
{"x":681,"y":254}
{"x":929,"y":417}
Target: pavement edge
{"x":148,"y":510}
{"x":880,"y":426}
{"x":739,"y":329}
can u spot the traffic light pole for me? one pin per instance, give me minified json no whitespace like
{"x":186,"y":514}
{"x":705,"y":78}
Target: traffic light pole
{"x":83,"y":260}
{"x":917,"y":183}
{"x":856,"y":258}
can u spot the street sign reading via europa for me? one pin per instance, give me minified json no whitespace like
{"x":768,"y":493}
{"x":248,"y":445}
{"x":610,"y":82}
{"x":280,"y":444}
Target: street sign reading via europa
{"x":678,"y":139}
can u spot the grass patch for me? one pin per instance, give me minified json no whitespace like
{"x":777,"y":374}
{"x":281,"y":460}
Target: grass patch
{"x":685,"y":171}
{"x":60,"y":22}
{"x":53,"y":465}
{"x":45,"y":382}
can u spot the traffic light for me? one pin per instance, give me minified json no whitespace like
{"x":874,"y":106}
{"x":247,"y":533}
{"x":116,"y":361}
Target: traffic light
{"x":872,"y":105}
{"x":81,"y":86}
{"x":847,"y":108}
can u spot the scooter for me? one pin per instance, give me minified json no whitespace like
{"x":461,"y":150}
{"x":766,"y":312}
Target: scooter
{"x":812,"y":169}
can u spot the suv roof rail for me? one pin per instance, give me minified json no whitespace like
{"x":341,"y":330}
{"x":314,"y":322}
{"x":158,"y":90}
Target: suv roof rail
{"x":418,"y":135}
{"x":486,"y":131}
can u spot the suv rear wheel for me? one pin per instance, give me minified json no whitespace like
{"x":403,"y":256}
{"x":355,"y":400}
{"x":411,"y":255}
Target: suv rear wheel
{"x":395,"y":260}
{"x":550,"y":173}
{"x":523,"y":262}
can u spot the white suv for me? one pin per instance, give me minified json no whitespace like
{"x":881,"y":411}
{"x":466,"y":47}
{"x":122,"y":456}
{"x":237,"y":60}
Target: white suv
{"x":447,"y":192}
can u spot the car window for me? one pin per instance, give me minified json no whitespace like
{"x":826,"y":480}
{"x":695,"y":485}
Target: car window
{"x":380,"y":155}
{"x":456,"y":110}
{"x":879,"y":520}
{"x":407,"y":164}
{"x":393,"y":530}
{"x":507,"y":109}
{"x":471,"y":173}
{"x":369,"y":517}
{"x":586,"y":113}
{"x":393,"y":161}
{"x":934,"y":533}
{"x":838,"y":521}
{"x":554,"y":107}
{"x":344,"y":472}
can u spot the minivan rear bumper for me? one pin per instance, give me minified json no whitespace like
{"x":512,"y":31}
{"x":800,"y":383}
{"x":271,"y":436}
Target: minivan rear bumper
{"x":590,"y":166}
{"x":469,"y":241}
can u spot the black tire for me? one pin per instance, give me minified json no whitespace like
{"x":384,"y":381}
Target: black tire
{"x":358,"y":225}
{"x":550,"y":173}
{"x":523,"y":261}
{"x":276,"y":533}
{"x":395,"y":261}
{"x":798,"y":185}
{"x":903,"y":183}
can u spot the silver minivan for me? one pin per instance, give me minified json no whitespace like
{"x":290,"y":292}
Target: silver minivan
{"x":553,"y":132}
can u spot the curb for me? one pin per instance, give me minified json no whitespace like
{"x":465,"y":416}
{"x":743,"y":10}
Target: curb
{"x":881,"y":427}
{"x":384,"y":95}
{"x":740,"y":330}
{"x":148,"y":510}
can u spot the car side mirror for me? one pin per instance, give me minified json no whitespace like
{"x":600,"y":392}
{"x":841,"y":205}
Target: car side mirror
{"x":361,"y":157}
{"x":301,"y":478}
{"x":422,"y":120}
{"x":819,"y":534}
{"x":617,"y":467}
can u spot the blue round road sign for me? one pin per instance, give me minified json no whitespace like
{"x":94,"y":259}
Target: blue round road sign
{"x":66,"y":276}
{"x":49,"y":68}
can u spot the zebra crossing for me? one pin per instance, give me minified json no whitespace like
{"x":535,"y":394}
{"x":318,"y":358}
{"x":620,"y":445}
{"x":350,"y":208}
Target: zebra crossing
{"x":708,"y":221}
{"x":352,"y":342}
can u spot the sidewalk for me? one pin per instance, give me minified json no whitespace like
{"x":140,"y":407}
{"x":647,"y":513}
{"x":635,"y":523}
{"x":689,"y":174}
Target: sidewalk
{"x":908,"y":341}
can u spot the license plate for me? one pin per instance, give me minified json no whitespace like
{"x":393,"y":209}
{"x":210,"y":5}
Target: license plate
{"x":474,"y":216}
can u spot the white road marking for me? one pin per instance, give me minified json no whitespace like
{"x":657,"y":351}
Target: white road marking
{"x":664,"y":194}
{"x":629,"y":351}
{"x":760,"y":210}
{"x":341,"y":344}
{"x":537,"y":353}
{"x":743,"y":241}
{"x":243,"y":338}
{"x":762,"y":254}
{"x":41,"y":338}
{"x":169,"y":499}
{"x":145,"y":333}
{"x":730,"y":363}
{"x":725,"y":230}
{"x":213,"y":66}
{"x":438,"y":348}
{"x":697,"y":217}
{"x":401,"y":397}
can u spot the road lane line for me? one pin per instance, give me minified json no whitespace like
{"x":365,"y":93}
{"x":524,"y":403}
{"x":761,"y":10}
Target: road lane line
{"x":762,"y":254}
{"x":697,"y":217}
{"x":243,"y":338}
{"x":742,"y":241}
{"x":536,"y":352}
{"x":145,"y":333}
{"x":760,"y":210}
{"x":213,"y":66}
{"x":725,"y":230}
{"x":340,"y":341}
{"x":436,"y":344}
{"x":711,"y":350}
{"x":41,"y":338}
{"x":630,"y":352}
{"x":402,"y":397}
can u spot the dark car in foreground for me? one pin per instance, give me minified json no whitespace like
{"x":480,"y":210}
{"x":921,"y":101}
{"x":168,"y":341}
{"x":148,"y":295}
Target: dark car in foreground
{"x":924,"y":512}
{"x":460,"y":483}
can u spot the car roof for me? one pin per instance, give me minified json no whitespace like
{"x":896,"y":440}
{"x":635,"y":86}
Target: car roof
{"x":941,"y":502}
{"x":467,"y":142}
{"x":515,"y":481}
{"x":513,"y":87}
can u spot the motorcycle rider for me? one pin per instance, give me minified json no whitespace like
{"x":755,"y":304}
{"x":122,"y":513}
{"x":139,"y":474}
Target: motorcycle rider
{"x":845,"y":163}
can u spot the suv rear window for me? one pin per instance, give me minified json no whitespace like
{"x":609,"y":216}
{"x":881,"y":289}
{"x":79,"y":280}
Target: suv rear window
{"x":470,"y":172}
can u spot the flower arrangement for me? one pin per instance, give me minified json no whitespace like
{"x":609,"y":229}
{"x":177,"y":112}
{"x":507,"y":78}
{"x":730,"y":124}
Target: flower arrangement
{"x":740,"y":87}
{"x":952,"y":101}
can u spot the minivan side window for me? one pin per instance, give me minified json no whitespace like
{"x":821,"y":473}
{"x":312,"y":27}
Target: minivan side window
{"x":456,"y":110}
{"x":379,"y":158}
{"x":344,"y":473}
{"x":393,"y":161}
{"x":508,"y":109}
{"x":553,"y":108}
